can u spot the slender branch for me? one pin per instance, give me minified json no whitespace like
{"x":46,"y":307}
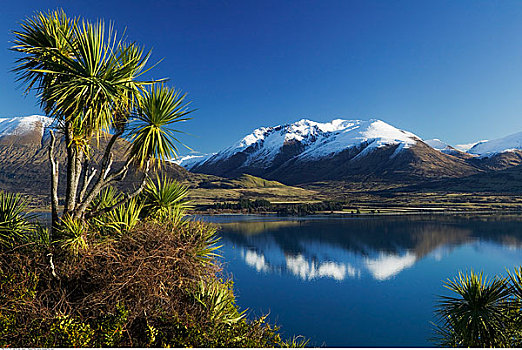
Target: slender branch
{"x":108,"y":155}
{"x":108,"y":167}
{"x":87,"y":178}
{"x":71,"y":162}
{"x":53,"y":271}
{"x":54,"y":181}
{"x":102,"y":181}
{"x":106,"y":163}
{"x":120,"y":174}
{"x":80,"y":156}
{"x":126,"y":197}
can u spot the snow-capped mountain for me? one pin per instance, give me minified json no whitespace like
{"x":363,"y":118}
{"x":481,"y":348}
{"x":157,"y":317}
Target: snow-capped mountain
{"x":310,"y":151}
{"x":504,"y":144}
{"x":24,"y":155}
{"x":318,"y":140}
{"x":23,"y":125}
{"x":190,"y":160}
{"x":26,"y":130}
{"x":440,"y":146}
{"x":295,"y":153}
{"x":437,"y":144}
{"x":465,"y":147}
{"x":446,"y":148}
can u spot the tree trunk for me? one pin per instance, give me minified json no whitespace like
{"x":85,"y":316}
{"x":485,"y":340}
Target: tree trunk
{"x":54,"y":184}
{"x":103,"y":179}
{"x":70,"y":198}
{"x":88,"y":175}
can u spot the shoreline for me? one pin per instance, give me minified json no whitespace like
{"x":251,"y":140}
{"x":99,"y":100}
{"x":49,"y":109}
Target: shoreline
{"x":349,"y":213}
{"x":372,"y":212}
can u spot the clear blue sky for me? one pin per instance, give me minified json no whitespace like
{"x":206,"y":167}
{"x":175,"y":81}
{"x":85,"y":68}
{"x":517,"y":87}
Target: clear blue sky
{"x":445,"y":69}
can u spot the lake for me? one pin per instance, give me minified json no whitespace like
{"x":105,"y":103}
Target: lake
{"x":362,"y":281}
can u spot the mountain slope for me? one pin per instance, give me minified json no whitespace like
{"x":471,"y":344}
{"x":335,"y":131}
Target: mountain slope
{"x":307,"y":151}
{"x":503,"y":144}
{"x":309,"y":140}
{"x":447,"y":149}
{"x":27,"y":131}
{"x":24,"y":168}
{"x":24,"y":162}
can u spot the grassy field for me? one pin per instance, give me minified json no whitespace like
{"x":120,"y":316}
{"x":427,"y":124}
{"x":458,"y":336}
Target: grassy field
{"x":358,"y":198}
{"x":370,"y":198}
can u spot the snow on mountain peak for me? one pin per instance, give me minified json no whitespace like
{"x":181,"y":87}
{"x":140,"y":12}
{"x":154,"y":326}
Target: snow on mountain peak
{"x":465,"y":147}
{"x":188,"y":161}
{"x":351,"y":133}
{"x":504,"y":144}
{"x":23,"y":125}
{"x":317,"y":139}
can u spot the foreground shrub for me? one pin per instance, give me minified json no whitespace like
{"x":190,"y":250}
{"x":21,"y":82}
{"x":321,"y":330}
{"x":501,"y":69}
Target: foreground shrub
{"x":72,"y":235}
{"x":158,"y":285}
{"x":166,"y":200}
{"x":15,"y":225}
{"x":481,"y":312}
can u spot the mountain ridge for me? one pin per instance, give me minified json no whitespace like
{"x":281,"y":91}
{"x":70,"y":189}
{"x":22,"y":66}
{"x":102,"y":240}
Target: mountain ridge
{"x":307,"y":151}
{"x":296,"y":153}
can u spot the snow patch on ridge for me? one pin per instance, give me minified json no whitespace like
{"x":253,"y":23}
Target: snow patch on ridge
{"x":318,"y":140}
{"x":504,"y":144}
{"x":23,"y":125}
{"x":188,"y":161}
{"x":465,"y":147}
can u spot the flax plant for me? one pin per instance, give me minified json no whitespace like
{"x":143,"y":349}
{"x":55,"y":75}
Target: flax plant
{"x":166,"y":199}
{"x":15,"y":225}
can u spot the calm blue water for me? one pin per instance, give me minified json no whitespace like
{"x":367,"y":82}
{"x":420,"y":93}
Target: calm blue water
{"x":359,"y":281}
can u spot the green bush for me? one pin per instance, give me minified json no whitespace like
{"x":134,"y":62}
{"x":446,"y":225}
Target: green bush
{"x":156,"y":286}
{"x":155,"y":281}
{"x":15,"y":225}
{"x":481,"y":312}
{"x":165,"y":200}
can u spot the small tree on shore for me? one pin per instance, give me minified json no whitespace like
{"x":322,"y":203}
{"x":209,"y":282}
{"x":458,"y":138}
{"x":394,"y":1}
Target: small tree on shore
{"x":88,"y":80}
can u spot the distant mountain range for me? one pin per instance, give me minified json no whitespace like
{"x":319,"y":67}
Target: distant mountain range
{"x":296,"y":153}
{"x":24,"y":164}
{"x":308,"y":151}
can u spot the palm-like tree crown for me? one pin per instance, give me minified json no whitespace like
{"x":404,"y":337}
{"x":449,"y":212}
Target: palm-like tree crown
{"x":84,"y":76}
{"x":478,"y":315}
{"x":88,"y":80}
{"x":150,"y":133}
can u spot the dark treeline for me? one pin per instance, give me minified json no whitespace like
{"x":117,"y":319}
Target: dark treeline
{"x":284,"y":209}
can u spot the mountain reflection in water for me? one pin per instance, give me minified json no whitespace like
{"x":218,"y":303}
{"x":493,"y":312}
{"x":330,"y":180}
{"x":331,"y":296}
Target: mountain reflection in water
{"x":362,"y":281}
{"x":350,"y":248}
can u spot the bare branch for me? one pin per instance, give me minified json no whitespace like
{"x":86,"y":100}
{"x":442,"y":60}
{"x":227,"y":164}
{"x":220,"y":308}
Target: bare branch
{"x":53,"y":271}
{"x":126,"y":197}
{"x":100,"y":182}
{"x":120,"y":174}
{"x":107,"y":156}
{"x":87,"y":178}
{"x":108,"y":166}
{"x":71,"y":162}
{"x":54,"y":181}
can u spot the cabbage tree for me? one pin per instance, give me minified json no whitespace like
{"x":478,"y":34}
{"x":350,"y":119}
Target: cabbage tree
{"x":90,"y":82}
